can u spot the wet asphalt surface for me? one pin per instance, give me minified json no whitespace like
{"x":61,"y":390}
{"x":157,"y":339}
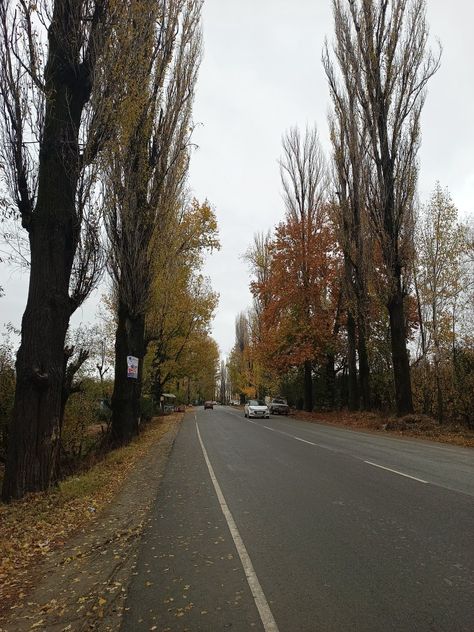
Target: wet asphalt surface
{"x":346,"y":531}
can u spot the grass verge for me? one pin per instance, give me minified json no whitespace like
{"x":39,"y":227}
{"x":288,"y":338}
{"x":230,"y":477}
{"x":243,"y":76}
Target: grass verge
{"x":40,"y":523}
{"x":419,"y":426}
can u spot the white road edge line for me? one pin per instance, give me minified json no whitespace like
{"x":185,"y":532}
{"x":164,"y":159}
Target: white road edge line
{"x":261,"y":602}
{"x":420,"y":480}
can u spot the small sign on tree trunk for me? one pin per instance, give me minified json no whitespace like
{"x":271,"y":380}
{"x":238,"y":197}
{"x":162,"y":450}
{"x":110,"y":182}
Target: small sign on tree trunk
{"x":132,"y":367}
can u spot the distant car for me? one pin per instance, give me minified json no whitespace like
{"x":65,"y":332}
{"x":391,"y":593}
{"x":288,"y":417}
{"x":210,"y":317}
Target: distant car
{"x":279,"y":406}
{"x":254,"y":408}
{"x":209,"y":405}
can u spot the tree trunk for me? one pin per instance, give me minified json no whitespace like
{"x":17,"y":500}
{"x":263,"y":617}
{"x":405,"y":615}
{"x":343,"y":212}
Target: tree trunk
{"x":439,"y":389}
{"x":364,"y":371}
{"x":439,"y":398}
{"x":158,"y":382}
{"x":129,"y":341}
{"x":401,"y":365}
{"x":308,"y":386}
{"x":352,"y":363}
{"x":34,"y":429}
{"x":53,"y":235}
{"x":330,"y":381}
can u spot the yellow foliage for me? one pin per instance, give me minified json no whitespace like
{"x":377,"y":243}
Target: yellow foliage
{"x":182,"y":303}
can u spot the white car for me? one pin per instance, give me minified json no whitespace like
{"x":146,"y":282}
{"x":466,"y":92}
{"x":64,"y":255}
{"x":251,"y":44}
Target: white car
{"x":253,"y":408}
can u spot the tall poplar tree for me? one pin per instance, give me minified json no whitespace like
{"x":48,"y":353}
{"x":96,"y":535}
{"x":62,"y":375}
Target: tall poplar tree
{"x":305,"y":183}
{"x":53,"y":121}
{"x":145,"y":173}
{"x":381,"y":53}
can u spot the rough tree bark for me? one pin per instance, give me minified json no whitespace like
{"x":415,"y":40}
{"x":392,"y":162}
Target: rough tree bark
{"x":353,"y":390}
{"x":364,"y":369}
{"x":129,"y":340}
{"x":54,"y":231}
{"x":401,"y":364}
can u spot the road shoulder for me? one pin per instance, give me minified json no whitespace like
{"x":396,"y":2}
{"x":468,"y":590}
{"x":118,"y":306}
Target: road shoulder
{"x":188,"y":574}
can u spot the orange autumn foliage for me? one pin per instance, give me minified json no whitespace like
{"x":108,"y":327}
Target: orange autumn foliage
{"x":300,"y":294}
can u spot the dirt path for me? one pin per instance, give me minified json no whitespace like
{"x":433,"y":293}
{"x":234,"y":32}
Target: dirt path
{"x":83,"y":586}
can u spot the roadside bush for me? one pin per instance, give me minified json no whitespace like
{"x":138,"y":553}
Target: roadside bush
{"x":413,"y":423}
{"x":147,"y":409}
{"x":456,"y":375}
{"x":422,"y":381}
{"x":381,"y":391}
{"x":396,"y":424}
{"x":464,"y":386}
{"x":84,"y":424}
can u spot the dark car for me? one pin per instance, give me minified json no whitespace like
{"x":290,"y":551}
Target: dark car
{"x":209,"y":405}
{"x":279,"y":406}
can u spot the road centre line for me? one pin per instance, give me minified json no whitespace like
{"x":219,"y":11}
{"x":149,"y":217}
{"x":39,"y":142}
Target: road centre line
{"x":382,"y":467}
{"x":266,"y":616}
{"x":287,"y":434}
{"x":303,"y":440}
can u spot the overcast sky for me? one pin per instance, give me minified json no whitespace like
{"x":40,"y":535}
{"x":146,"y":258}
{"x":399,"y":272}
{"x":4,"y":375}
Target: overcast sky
{"x":261,"y":74}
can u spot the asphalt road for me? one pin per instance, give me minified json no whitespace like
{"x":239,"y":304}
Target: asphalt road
{"x":284,"y":525}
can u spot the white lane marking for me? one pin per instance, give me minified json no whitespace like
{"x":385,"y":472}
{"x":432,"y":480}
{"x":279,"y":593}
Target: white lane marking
{"x":317,"y":445}
{"x":266,"y":616}
{"x":420,"y":480}
{"x":287,"y":434}
{"x":303,"y":440}
{"x":325,"y":447}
